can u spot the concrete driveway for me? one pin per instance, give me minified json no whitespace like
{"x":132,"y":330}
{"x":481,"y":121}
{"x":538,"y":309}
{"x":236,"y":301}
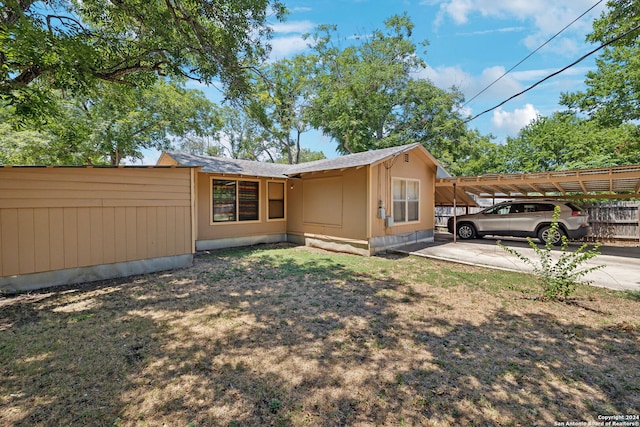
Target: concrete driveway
{"x":621,"y":271}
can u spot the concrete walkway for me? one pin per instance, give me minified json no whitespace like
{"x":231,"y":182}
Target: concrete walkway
{"x":621,"y":271}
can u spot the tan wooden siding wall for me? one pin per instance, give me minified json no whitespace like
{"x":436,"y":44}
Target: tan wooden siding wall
{"x":209,"y":231}
{"x":412,"y":165}
{"x":59,"y":218}
{"x":332,"y":203}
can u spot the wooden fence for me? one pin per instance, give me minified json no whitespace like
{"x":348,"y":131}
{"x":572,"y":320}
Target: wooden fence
{"x":614,"y":221}
{"x":609,"y":221}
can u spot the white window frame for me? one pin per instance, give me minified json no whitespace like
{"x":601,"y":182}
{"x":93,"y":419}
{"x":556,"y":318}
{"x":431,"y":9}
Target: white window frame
{"x":406,"y":201}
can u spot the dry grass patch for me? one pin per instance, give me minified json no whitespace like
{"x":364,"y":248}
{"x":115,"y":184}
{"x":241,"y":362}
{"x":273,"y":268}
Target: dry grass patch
{"x":293,"y":336}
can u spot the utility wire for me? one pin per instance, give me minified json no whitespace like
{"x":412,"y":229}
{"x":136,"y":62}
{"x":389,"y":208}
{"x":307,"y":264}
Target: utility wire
{"x":615,"y":39}
{"x":531,"y":54}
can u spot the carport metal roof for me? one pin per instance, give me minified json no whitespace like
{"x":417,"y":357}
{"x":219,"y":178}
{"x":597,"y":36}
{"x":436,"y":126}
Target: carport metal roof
{"x":603,"y":183}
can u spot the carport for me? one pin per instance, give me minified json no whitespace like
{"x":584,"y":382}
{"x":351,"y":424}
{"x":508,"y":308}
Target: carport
{"x":621,"y":182}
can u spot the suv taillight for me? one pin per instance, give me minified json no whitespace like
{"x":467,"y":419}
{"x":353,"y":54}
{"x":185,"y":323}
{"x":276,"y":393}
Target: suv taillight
{"x":575,"y":213}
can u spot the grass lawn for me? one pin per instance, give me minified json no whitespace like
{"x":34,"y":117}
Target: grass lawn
{"x":293,"y":336}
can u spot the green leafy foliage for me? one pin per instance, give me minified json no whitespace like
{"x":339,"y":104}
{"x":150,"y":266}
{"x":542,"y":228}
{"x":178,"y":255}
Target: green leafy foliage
{"x":279,"y":103}
{"x":566,"y":141}
{"x":239,"y":136}
{"x":558,"y":277}
{"x":110,"y":123}
{"x":367,"y":96}
{"x":613,"y":95}
{"x":72,"y":45}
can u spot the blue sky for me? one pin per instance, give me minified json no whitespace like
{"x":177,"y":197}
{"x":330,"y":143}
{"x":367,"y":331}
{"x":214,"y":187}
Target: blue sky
{"x":471,"y":43}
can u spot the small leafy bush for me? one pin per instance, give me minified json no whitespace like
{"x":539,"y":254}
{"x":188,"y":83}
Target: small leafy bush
{"x":558,"y":278}
{"x":274,"y":405}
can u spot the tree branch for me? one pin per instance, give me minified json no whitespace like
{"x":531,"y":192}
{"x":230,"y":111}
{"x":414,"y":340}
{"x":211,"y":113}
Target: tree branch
{"x":77,"y":23}
{"x":115,"y":76}
{"x":25,"y":77}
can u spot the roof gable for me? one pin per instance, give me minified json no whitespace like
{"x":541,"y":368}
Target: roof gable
{"x":364,"y":158}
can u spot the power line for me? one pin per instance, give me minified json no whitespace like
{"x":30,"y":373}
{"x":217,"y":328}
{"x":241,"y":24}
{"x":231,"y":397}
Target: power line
{"x":582,"y":58}
{"x":531,"y":54}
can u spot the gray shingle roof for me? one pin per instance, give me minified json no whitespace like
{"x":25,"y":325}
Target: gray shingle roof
{"x":231,"y":166}
{"x":351,"y":160}
{"x":275,"y":170}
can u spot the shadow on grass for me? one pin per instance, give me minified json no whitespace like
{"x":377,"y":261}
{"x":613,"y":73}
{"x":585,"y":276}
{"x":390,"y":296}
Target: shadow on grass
{"x":291,"y":337}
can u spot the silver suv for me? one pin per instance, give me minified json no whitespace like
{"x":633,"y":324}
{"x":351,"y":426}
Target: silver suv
{"x":524,"y":218}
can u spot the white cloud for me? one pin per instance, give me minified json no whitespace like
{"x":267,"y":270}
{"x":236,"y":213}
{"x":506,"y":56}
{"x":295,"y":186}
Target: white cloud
{"x":470,"y":85}
{"x":300,"y":9}
{"x":283,"y":47}
{"x":291,"y":42}
{"x":547,"y":14}
{"x":293,"y":27}
{"x":532,"y":75}
{"x":492,"y":31}
{"x":512,"y":122}
{"x":546,"y":17}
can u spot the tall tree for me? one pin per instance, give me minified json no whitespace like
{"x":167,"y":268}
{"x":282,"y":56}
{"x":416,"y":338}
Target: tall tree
{"x":25,"y":147}
{"x":207,"y":145}
{"x":279,"y":104}
{"x":240,"y":136}
{"x":367,"y":95}
{"x":566,"y":141}
{"x":358,"y":86}
{"x":471,"y":154}
{"x":69,"y":44}
{"x":613,"y":90}
{"x":113,"y":122}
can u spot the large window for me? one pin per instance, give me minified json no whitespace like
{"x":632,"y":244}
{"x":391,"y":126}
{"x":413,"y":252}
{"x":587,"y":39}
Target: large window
{"x":406,"y":200}
{"x":276,"y":200}
{"x":235,"y":200}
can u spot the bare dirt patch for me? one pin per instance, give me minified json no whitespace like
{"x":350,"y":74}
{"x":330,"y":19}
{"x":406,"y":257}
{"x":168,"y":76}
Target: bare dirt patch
{"x":281,"y":335}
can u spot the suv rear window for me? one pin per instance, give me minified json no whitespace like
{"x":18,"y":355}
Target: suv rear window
{"x":544,"y":207}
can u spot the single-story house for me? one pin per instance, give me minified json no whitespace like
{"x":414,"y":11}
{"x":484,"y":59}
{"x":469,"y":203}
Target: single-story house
{"x":361,"y":203}
{"x":61,"y":225}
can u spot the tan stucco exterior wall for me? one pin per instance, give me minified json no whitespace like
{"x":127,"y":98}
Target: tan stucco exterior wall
{"x":207,"y":230}
{"x":65,"y":218}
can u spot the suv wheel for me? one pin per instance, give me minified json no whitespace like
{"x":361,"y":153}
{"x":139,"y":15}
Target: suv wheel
{"x":545,"y":235}
{"x":466,"y":231}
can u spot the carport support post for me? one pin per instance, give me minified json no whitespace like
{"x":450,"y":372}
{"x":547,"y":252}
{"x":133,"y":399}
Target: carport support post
{"x":455,"y":219}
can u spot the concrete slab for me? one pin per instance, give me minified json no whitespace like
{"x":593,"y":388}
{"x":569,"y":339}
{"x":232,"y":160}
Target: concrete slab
{"x":621,"y":269}
{"x":31,"y":282}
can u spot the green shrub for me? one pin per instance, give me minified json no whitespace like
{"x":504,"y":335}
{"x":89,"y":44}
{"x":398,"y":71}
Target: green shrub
{"x":558,"y":278}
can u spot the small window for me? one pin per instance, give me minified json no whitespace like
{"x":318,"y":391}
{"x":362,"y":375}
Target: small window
{"x":406,"y":200}
{"x":276,"y":200}
{"x":234,"y":200}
